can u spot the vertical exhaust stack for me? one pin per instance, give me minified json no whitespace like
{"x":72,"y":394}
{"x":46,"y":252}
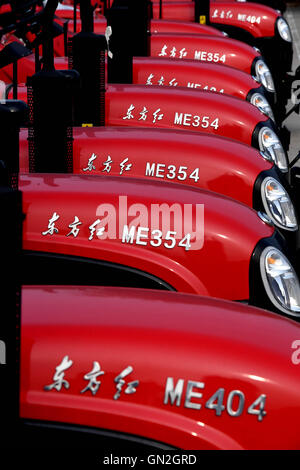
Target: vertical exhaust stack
{"x":50,"y":98}
{"x":11,"y":116}
{"x":87,"y":56}
{"x":140,"y":13}
{"x":130,"y":26}
{"x":202,"y":11}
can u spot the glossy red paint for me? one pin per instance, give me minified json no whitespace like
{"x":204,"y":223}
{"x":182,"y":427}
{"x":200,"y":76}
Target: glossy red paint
{"x":187,"y":73}
{"x":221,"y":344}
{"x":239,"y":14}
{"x":5,"y":9}
{"x":194,"y":110}
{"x":66,"y":10}
{"x":181,"y":109}
{"x":26,"y":67}
{"x":165,"y":26}
{"x":155,"y":71}
{"x":257,"y":19}
{"x":210,"y":49}
{"x":214,"y":163}
{"x":156,"y":26}
{"x":192,"y":74}
{"x":231,"y":229}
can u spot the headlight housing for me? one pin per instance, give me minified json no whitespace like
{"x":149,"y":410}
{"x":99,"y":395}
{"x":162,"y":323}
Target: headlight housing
{"x":280,"y":281}
{"x":258,"y":100}
{"x":284,"y":30}
{"x":264,"y":75}
{"x":278,"y":205}
{"x":270,"y":144}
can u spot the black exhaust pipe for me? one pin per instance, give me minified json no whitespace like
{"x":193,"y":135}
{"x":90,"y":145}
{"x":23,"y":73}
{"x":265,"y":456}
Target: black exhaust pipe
{"x":87,"y":56}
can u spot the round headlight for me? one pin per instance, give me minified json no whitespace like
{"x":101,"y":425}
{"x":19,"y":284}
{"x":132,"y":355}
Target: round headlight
{"x":280,"y":281}
{"x":270,"y":144}
{"x":264,"y":75}
{"x":262,"y":104}
{"x":278,"y":205}
{"x":284,"y":30}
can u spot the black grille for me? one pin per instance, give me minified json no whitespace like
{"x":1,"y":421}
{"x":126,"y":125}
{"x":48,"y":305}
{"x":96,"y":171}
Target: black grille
{"x":50,"y":135}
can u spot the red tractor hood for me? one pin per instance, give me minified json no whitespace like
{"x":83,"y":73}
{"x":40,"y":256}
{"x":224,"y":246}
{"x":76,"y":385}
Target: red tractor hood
{"x":220,"y":50}
{"x":160,"y":71}
{"x":161,"y":341}
{"x":192,"y":74}
{"x":258,"y":20}
{"x":194,"y":110}
{"x":209,"y":162}
{"x":120,"y":222}
{"x":157,"y":26}
{"x":181,"y":109}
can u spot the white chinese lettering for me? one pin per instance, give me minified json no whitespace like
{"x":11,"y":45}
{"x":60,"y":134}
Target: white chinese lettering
{"x":161,"y":81}
{"x":51,"y":225}
{"x":173,"y":52}
{"x":90,"y":165}
{"x":107,"y":164}
{"x":120,"y":382}
{"x":58,"y":377}
{"x":182,"y":53}
{"x":92,"y":228}
{"x":93,"y":384}
{"x":74,"y":227}
{"x":129,"y":114}
{"x":149,"y":79}
{"x":143,"y":114}
{"x":163,"y":51}
{"x":157,"y":116}
{"x":125,"y":166}
{"x":171,"y":82}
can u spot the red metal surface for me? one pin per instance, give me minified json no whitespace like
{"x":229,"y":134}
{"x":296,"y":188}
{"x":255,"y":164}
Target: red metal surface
{"x":221,"y":344}
{"x":174,"y":108}
{"x":156,"y":71}
{"x":214,"y":163}
{"x":210,"y":49}
{"x":192,"y":74}
{"x":26,"y":65}
{"x":258,"y":20}
{"x":242,"y":15}
{"x":164,"y":26}
{"x":157,"y":26}
{"x":218,"y":267}
{"x":193,"y":110}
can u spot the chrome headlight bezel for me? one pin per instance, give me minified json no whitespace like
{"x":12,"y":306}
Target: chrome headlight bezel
{"x":280,"y":279}
{"x":260,"y":102}
{"x":269,"y":143}
{"x":283,"y":29}
{"x":263,"y":74}
{"x":278,"y":205}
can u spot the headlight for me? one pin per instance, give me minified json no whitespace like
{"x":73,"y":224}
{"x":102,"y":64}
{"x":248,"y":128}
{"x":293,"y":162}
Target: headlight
{"x":278,"y":205}
{"x":280,"y":281}
{"x":262,"y":104}
{"x":284,"y":30}
{"x":270,"y":144}
{"x":264,"y":75}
